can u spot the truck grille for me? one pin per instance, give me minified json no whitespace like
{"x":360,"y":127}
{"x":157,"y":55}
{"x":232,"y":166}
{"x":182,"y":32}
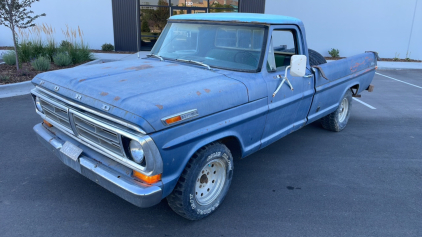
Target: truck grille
{"x":57,"y":113}
{"x":93,"y":133}
{"x":98,"y":135}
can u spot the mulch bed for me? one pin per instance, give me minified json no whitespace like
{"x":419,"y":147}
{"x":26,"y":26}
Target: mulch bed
{"x":9,"y":74}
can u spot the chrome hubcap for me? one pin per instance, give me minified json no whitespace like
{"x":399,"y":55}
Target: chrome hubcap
{"x":210,"y":182}
{"x":344,"y":107}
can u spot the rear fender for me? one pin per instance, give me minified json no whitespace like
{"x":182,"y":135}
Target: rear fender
{"x":333,"y":79}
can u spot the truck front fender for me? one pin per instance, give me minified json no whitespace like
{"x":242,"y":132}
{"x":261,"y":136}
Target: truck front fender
{"x":178,"y":144}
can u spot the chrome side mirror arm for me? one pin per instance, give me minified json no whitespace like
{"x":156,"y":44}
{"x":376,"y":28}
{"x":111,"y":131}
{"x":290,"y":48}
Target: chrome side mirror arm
{"x":282,"y":82}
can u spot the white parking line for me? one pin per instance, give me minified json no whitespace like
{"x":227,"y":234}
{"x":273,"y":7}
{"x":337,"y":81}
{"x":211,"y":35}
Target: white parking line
{"x":371,"y":107}
{"x":398,"y":80}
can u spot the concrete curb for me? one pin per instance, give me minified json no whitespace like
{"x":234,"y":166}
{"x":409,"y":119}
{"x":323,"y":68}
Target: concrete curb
{"x":21,"y":88}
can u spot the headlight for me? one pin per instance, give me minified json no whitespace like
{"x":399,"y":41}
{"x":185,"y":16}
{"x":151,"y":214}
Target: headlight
{"x":136,"y":151}
{"x":38,"y":104}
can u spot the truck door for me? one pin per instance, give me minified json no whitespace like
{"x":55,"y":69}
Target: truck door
{"x":290,"y":105}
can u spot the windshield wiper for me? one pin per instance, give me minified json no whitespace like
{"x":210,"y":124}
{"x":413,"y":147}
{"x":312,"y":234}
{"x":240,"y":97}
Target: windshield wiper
{"x":154,"y":55}
{"x":191,"y":61}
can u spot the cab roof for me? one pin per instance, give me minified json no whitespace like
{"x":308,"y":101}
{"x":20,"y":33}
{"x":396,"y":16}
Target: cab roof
{"x":239,"y":17}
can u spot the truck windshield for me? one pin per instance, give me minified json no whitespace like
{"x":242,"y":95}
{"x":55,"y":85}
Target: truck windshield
{"x":222,"y":46}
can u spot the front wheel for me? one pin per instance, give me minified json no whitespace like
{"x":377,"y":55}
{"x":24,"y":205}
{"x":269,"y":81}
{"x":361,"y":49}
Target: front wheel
{"x":204,"y":183}
{"x":337,"y":120}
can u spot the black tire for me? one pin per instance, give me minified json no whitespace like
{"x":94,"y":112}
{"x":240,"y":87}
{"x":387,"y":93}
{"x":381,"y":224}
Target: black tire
{"x":185,"y":199}
{"x":315,"y":58}
{"x":337,"y":121}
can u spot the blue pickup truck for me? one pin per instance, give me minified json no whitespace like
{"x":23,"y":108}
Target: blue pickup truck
{"x":216,"y":87}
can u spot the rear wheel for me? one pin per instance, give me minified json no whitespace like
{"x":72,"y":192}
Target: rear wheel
{"x":204,"y":182}
{"x":337,"y":120}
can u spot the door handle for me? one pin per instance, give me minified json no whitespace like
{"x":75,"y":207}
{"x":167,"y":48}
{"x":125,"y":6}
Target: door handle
{"x":308,"y":76}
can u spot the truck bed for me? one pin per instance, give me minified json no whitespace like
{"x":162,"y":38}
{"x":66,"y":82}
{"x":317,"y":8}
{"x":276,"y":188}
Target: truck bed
{"x":353,"y":72}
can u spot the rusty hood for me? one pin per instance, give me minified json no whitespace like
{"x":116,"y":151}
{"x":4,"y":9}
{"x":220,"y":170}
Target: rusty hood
{"x":147,"y":90}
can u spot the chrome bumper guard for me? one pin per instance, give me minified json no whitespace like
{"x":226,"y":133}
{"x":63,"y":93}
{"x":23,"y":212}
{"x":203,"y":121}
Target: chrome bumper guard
{"x":119,"y":183}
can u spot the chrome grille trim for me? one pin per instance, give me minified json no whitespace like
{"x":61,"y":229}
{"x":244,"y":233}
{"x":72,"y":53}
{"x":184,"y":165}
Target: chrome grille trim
{"x":128,"y":125}
{"x":100,"y":136}
{"x":56,"y":112}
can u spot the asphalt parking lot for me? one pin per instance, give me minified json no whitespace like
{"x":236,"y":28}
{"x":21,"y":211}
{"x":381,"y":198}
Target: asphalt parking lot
{"x":363,"y":181}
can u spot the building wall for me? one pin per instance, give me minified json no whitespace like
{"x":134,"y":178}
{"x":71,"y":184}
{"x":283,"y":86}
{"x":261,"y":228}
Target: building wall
{"x":94,"y":17}
{"x":356,"y":26}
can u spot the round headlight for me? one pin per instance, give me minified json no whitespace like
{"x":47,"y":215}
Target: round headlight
{"x":136,"y":151}
{"x":38,"y":104}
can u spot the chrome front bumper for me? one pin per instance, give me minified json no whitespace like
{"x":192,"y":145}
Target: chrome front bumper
{"x":97,"y":167}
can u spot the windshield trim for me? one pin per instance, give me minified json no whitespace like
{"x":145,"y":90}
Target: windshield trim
{"x":263,"y":49}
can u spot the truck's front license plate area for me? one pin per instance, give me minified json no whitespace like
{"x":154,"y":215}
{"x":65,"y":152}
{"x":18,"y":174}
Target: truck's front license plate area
{"x":71,"y":151}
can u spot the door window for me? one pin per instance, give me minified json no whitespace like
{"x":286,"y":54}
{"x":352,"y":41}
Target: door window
{"x":282,"y":47}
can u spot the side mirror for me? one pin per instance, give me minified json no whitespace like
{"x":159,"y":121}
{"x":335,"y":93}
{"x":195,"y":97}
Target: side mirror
{"x":298,"y":65}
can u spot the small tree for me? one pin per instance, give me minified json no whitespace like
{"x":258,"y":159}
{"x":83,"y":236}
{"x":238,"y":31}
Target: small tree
{"x":15,"y":13}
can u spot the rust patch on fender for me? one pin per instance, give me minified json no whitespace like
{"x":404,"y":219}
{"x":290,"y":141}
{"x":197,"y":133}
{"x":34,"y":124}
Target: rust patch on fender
{"x":123,"y":80}
{"x":104,"y":93}
{"x":117,"y":98}
{"x":82,"y":80}
{"x":159,"y":106}
{"x":207,"y":90}
{"x":140,"y":67}
{"x":198,"y":93}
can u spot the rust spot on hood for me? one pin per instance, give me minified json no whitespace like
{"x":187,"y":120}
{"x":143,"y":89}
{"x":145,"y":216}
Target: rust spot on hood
{"x":116,"y":98}
{"x":159,"y":106}
{"x":123,"y":80}
{"x":198,"y":93}
{"x":82,"y":80}
{"x":207,"y":90}
{"x":104,"y":93}
{"x":140,"y":67}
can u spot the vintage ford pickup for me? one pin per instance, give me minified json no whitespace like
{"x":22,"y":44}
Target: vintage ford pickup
{"x":216,"y":87}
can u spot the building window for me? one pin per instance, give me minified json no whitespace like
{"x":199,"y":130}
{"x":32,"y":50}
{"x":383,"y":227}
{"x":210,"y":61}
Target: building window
{"x":154,"y":14}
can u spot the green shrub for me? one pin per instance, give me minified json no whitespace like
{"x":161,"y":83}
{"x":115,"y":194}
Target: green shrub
{"x":25,"y":51}
{"x":107,"y":47}
{"x":65,"y":44}
{"x":335,"y":53}
{"x":4,"y":78}
{"x":80,"y":54}
{"x":10,"y":58}
{"x":62,"y":59}
{"x":50,"y":49}
{"x":41,"y":64}
{"x":38,"y":49}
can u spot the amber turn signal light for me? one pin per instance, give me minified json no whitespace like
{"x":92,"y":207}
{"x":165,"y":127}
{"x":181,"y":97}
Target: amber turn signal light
{"x":47,"y":123}
{"x":147,"y":179}
{"x":174,"y":119}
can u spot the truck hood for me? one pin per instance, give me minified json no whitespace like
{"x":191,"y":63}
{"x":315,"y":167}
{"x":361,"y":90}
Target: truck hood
{"x":147,"y":88}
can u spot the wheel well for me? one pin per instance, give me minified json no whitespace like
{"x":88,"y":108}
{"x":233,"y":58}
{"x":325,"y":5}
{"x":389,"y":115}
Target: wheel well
{"x":356,"y":89}
{"x":234,"y":146}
